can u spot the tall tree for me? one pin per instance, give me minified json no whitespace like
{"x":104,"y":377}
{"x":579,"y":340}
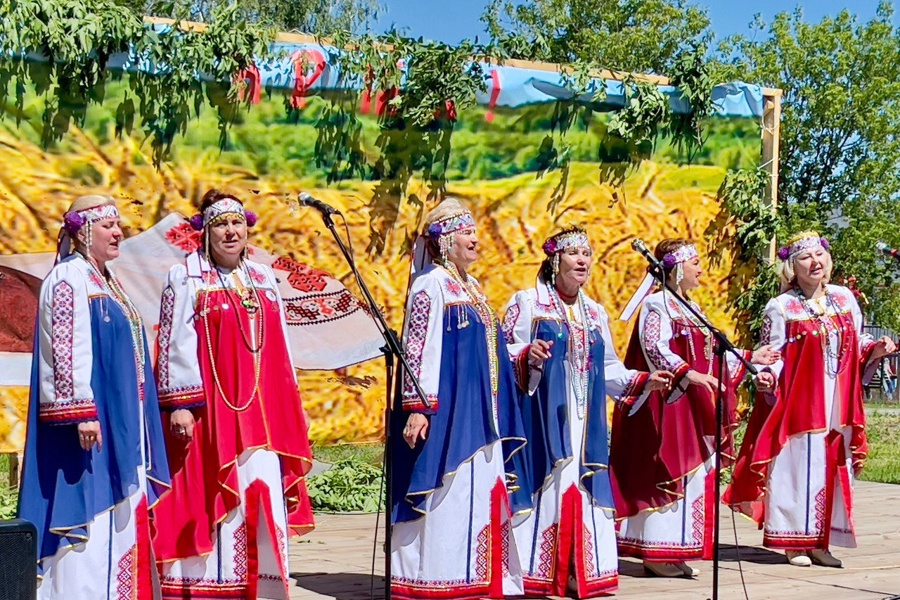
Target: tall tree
{"x":840,"y":151}
{"x":628,"y":35}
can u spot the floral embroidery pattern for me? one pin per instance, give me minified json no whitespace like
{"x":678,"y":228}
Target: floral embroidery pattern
{"x":184,"y":237}
{"x":509,"y":323}
{"x":63,"y":338}
{"x":417,"y":330}
{"x":301,"y":277}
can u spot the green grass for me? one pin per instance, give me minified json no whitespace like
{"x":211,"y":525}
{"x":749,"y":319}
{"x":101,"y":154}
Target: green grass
{"x":370,"y":454}
{"x":883,"y":464}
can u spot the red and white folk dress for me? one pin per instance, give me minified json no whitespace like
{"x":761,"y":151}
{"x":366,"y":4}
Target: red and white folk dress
{"x":238,"y":486}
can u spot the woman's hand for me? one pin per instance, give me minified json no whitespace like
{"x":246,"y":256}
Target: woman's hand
{"x":660,"y":380}
{"x":182,"y":423}
{"x":883,"y":347}
{"x":416,"y":427}
{"x":702,"y":380}
{"x":764,"y":355}
{"x":538,"y":352}
{"x":89,"y":434}
{"x":765,"y":381}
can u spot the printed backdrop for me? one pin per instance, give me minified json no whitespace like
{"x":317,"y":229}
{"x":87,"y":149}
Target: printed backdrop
{"x":495,"y":166}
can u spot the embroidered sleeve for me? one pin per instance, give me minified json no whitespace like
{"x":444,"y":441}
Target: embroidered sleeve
{"x":178,"y":366}
{"x":422,"y":340}
{"x":66,"y":349}
{"x":517,"y":327}
{"x":622,"y":384}
{"x":656,"y":334}
{"x":774,"y":334}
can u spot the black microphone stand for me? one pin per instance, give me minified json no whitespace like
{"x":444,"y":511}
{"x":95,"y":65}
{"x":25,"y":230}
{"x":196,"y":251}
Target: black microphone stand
{"x":391,"y":350}
{"x":722,"y":346}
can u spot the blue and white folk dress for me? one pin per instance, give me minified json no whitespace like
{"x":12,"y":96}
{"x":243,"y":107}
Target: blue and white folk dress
{"x":451,"y":506}
{"x":568,"y":543}
{"x":91,"y":363}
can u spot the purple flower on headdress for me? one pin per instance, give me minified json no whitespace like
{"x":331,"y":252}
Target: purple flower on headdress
{"x":251,"y":218}
{"x":434,"y":230}
{"x":669,"y":261}
{"x":196,"y":222}
{"x":73,"y":221}
{"x":825,"y":243}
{"x":550,"y":246}
{"x":784,"y":252}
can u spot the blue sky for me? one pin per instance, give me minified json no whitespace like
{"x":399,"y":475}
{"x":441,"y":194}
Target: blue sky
{"x":452,"y":20}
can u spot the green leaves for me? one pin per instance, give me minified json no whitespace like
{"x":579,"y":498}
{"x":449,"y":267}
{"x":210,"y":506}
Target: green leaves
{"x":349,"y":485}
{"x":78,"y":37}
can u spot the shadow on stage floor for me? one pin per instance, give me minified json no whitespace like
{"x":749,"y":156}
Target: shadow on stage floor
{"x":632,"y":567}
{"x":342,"y":586}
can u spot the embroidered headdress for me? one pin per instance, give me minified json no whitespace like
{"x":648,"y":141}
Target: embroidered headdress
{"x":801,"y":242}
{"x":672,"y":260}
{"x":85,"y":210}
{"x":446,"y":219}
{"x":225,"y":207}
{"x":556,"y":244}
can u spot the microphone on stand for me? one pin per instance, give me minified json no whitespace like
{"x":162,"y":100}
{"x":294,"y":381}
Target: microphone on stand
{"x":306,"y":199}
{"x":639,"y":245}
{"x":888,"y":251}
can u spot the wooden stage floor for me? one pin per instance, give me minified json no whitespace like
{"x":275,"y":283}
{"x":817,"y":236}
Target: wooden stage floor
{"x":335,"y":562}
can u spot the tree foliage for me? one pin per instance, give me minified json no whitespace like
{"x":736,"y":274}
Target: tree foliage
{"x":839,"y":151}
{"x":318,"y":18}
{"x":644,"y":36}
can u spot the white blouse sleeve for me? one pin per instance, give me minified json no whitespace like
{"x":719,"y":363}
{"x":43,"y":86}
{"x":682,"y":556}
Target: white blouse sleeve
{"x":422,"y":341}
{"x":66,"y":348}
{"x":178,"y":367}
{"x":517,"y":328}
{"x":624,"y":385}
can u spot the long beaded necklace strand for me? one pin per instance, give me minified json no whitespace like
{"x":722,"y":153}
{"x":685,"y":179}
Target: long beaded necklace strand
{"x":579,"y":347}
{"x":826,"y":326}
{"x":486,"y":313}
{"x":115,"y":291}
{"x":254,"y":350}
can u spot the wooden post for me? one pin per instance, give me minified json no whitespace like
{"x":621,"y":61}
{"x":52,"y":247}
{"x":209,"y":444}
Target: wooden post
{"x":771,"y":141}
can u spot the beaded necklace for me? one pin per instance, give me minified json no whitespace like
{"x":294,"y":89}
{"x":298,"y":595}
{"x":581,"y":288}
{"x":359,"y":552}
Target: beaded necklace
{"x":826,"y":326}
{"x":579,"y":347}
{"x":254,"y":349}
{"x":488,"y":318}
{"x":114,"y":290}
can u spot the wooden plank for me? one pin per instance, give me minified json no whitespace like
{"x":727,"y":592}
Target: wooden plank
{"x":771,"y":143}
{"x":302,"y":38}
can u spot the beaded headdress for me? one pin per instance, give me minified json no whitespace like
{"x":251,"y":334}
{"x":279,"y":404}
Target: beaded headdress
{"x":560,"y":242}
{"x":75,"y":220}
{"x":223,"y":208}
{"x":682,"y":254}
{"x":449,"y":217}
{"x":802,"y":242}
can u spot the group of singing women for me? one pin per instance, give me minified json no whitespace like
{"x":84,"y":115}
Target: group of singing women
{"x":183,"y":484}
{"x":185,"y":479}
{"x":505,"y":480}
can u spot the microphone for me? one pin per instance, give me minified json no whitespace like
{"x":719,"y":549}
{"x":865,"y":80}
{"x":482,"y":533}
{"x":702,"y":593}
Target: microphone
{"x":639,"y":245}
{"x":888,"y":251}
{"x":306,"y":199}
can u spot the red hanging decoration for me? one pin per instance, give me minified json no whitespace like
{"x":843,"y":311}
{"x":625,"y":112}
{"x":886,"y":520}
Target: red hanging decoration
{"x":495,"y":95}
{"x":249,"y":80}
{"x":302,"y":81}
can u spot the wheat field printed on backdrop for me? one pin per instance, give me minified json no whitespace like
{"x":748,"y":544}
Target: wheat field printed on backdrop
{"x":515,"y":212}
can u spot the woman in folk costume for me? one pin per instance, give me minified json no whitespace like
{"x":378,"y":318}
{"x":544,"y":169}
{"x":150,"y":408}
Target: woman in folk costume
{"x":238,"y":447}
{"x":95,"y":459}
{"x":452,"y":458}
{"x":560,"y":343}
{"x":663,"y":447}
{"x":806,"y":438}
